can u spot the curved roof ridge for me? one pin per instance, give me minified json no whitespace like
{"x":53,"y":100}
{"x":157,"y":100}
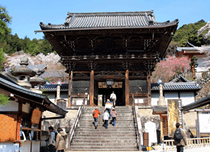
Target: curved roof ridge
{"x":110,"y":13}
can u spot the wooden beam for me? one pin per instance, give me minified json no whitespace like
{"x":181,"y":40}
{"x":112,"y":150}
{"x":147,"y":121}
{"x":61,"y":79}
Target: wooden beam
{"x":70,"y":87}
{"x":127,"y":89}
{"x":149,"y":88}
{"x":91,"y":88}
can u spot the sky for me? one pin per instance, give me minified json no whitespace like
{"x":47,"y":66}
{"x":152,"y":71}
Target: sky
{"x":26,"y":15}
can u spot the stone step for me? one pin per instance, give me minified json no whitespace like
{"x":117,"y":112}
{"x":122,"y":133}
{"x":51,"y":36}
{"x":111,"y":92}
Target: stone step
{"x":118,"y":118}
{"x":118,"y":123}
{"x":118,"y":111}
{"x":100,"y":125}
{"x":104,"y":140}
{"x":103,"y":129}
{"x":103,"y":148}
{"x":100,"y":138}
{"x":104,"y":144}
{"x":118,"y":114}
{"x":106,"y":133}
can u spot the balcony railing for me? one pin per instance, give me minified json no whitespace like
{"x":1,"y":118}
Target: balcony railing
{"x":168,"y":145}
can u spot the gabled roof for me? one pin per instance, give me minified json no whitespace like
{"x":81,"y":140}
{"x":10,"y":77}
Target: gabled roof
{"x":176,"y":86}
{"x":188,"y":44}
{"x":77,"y":87}
{"x":179,"y":78}
{"x":108,"y":20}
{"x":178,"y":83}
{"x":28,"y":94}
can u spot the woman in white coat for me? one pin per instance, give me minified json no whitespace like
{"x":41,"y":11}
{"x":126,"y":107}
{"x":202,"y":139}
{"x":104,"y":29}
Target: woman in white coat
{"x":60,"y":140}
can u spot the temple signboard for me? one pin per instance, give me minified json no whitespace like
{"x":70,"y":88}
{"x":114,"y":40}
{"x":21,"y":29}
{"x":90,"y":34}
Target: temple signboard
{"x":36,"y":115}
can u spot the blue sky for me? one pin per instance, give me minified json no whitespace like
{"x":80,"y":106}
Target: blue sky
{"x":26,"y":15}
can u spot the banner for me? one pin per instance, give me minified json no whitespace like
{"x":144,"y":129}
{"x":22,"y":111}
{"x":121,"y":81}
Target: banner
{"x":174,"y":115}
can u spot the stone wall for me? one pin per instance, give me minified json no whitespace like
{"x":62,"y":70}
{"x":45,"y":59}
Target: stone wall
{"x":146,"y":115}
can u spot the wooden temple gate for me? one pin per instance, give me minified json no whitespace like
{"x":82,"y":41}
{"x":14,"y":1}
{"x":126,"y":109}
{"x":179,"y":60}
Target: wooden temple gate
{"x":121,"y":47}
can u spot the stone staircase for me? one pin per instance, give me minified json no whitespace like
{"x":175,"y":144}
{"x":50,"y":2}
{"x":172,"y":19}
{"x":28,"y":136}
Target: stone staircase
{"x":122,"y":137}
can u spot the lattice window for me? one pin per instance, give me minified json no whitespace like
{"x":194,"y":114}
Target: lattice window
{"x":165,"y":125}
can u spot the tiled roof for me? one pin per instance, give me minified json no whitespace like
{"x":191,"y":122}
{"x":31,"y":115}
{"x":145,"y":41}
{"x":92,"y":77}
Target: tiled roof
{"x":108,"y":20}
{"x":54,"y":73}
{"x":52,"y":107}
{"x":53,"y":87}
{"x":176,"y":86}
{"x":77,"y":87}
{"x":180,"y":49}
{"x":179,"y":78}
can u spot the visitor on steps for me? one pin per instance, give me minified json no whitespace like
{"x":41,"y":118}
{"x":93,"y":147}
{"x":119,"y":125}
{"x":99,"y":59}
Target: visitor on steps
{"x":113,"y":98}
{"x":96,"y":112}
{"x":108,"y":107}
{"x":114,"y":115}
{"x":105,"y":119}
{"x":60,"y":144}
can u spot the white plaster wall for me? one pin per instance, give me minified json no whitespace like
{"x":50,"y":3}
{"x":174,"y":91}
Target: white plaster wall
{"x":9,"y":147}
{"x":187,"y":97}
{"x":26,"y":108}
{"x":35,"y":146}
{"x":11,"y":106}
{"x":171,"y":95}
{"x":154,"y":99}
{"x":26,"y":146}
{"x":201,"y":63}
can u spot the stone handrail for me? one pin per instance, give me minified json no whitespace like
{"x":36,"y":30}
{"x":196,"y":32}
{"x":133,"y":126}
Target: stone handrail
{"x":135,"y":110}
{"x":74,"y":126}
{"x":168,"y":145}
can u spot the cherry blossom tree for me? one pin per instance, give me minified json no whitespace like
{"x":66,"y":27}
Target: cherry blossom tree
{"x":167,"y":69}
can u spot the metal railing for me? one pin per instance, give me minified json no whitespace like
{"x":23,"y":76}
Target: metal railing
{"x":137,"y":124}
{"x":75,"y":124}
{"x":168,"y":145}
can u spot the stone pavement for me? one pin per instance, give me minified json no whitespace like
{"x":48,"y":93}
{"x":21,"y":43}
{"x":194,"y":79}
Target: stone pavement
{"x":204,"y":149}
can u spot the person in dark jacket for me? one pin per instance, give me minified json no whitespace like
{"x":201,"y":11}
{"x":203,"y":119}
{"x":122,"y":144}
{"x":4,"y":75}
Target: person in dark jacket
{"x":180,"y":143}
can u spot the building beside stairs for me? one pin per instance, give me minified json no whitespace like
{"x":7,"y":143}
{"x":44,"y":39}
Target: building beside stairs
{"x":21,"y":119}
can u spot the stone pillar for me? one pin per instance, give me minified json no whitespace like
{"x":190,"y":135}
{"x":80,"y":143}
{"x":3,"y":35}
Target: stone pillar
{"x":161,"y":101}
{"x":127,"y":89}
{"x":58,"y":92}
{"x":70,"y":87}
{"x":91,"y":93}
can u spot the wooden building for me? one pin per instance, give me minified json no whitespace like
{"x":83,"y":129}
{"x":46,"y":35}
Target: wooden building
{"x":111,"y":51}
{"x":190,"y":50}
{"x":20,"y":120}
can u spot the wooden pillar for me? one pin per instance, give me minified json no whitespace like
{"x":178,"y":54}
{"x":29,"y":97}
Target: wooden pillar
{"x":70,"y":88}
{"x":149,"y":89}
{"x":91,"y":93}
{"x":19,"y":119}
{"x":127,"y":89}
{"x":161,"y":128}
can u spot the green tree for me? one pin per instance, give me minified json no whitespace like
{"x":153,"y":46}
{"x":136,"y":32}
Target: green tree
{"x":4,"y":20}
{"x":189,"y":33}
{"x":2,"y":58}
{"x":4,"y":100}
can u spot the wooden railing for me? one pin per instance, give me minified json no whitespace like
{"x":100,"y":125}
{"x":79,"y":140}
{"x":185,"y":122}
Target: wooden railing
{"x":168,"y":145}
{"x":137,"y":124}
{"x":74,"y":126}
